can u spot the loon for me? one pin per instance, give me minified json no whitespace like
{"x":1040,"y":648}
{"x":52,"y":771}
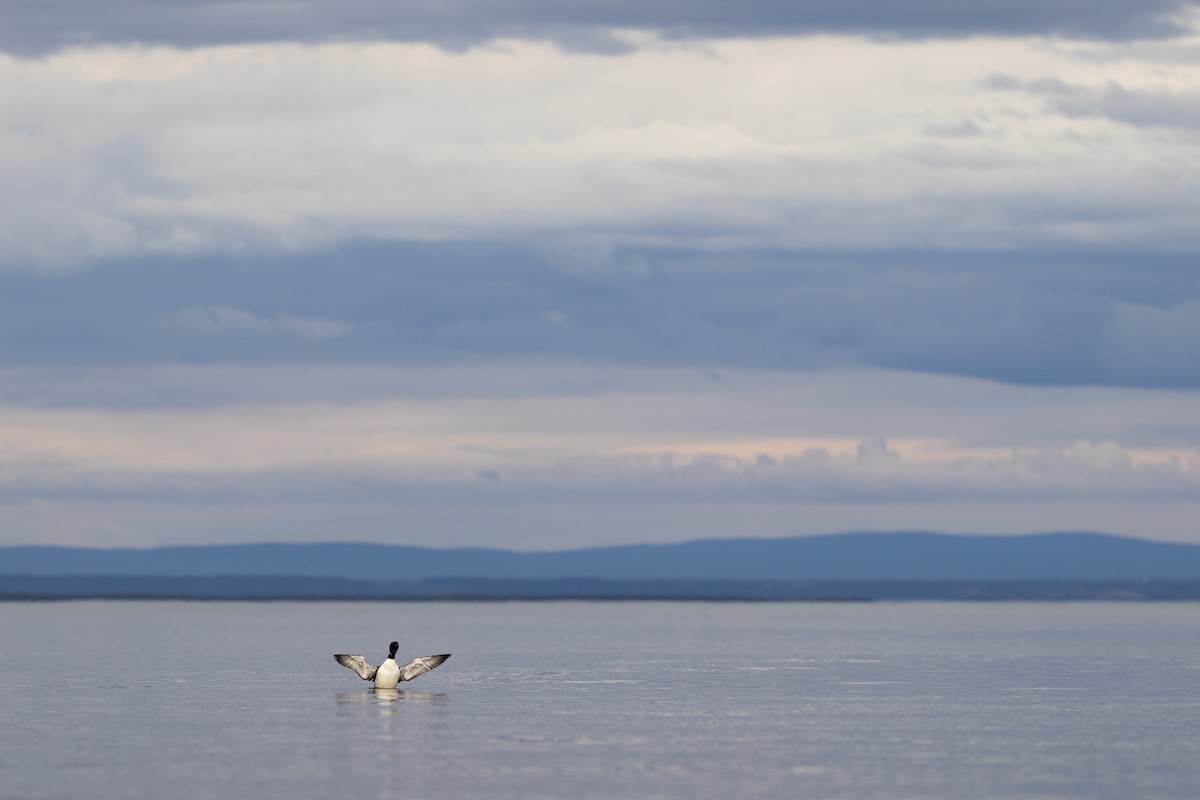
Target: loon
{"x":389,"y":673}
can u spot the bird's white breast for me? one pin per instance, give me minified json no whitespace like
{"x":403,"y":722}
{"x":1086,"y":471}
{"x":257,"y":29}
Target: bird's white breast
{"x":388,"y":675}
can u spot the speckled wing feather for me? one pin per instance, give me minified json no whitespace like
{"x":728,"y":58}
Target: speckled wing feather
{"x":365,"y":669}
{"x":419,"y":666}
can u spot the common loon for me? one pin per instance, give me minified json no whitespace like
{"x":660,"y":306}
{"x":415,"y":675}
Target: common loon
{"x":389,"y":673}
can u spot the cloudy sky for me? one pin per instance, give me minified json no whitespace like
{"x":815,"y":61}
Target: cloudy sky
{"x":548,"y":275}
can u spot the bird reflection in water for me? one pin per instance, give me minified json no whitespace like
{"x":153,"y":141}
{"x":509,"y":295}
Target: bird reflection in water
{"x":383,"y":701}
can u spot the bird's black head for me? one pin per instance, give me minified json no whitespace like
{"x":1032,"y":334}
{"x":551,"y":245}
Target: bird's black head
{"x":392,"y":648}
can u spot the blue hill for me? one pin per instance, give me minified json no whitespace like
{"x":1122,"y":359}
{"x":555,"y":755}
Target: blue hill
{"x":845,"y":557}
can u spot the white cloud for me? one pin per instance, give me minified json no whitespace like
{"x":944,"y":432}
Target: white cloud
{"x":808,"y":142}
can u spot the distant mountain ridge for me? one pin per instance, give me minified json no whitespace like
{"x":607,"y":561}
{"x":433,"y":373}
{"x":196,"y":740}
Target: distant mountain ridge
{"x":904,"y":556}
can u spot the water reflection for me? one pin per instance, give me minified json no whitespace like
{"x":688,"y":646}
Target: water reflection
{"x":383,"y":701}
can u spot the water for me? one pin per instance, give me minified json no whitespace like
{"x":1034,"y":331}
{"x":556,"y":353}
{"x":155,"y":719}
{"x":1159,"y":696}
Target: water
{"x":602,"y":700}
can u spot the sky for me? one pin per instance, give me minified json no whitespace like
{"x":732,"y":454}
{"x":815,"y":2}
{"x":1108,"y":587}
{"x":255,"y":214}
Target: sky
{"x":543,"y":275}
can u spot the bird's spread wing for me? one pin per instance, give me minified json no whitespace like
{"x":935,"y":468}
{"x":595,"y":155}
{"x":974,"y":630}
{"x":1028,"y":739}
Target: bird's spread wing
{"x":365,"y":669}
{"x":419,"y":666}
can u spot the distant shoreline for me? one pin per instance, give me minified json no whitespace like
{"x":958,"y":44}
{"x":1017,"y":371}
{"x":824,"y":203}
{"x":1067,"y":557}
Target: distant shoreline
{"x":274,"y":588}
{"x":446,"y":599}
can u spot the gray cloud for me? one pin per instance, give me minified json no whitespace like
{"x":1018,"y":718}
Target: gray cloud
{"x":1126,"y":320}
{"x":1133,"y":107}
{"x":38,"y":26}
{"x":1142,"y":108}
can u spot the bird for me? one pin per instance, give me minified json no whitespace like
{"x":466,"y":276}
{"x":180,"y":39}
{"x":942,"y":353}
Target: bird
{"x":389,"y":673}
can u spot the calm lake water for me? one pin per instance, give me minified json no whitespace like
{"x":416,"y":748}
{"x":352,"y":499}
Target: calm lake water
{"x":602,"y":700}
